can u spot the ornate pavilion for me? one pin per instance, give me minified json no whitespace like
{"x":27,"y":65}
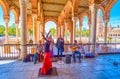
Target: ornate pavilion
{"x":35,"y":13}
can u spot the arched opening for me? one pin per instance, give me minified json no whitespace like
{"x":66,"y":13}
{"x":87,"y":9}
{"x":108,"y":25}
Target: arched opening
{"x":100,"y":26}
{"x":51,"y":26}
{"x":114,"y":22}
{"x":12,"y":26}
{"x":2,"y":26}
{"x":85,"y":30}
{"x":77,"y":30}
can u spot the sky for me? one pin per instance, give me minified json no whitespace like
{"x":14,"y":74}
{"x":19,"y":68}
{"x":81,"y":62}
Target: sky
{"x":114,"y":18}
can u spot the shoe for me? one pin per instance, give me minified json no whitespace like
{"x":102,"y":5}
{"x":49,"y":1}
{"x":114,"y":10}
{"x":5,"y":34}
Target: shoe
{"x":34,"y":62}
{"x":74,"y":61}
{"x":79,"y":61}
{"x":60,"y":58}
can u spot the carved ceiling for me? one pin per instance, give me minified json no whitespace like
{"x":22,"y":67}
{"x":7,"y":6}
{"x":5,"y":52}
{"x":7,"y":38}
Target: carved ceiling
{"x":54,"y":8}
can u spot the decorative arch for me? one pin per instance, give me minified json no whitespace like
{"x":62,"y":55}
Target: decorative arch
{"x":76,"y":5}
{"x":51,"y":19}
{"x":108,"y":8}
{"x":83,"y":15}
{"x":16,"y":13}
{"x":5,"y":7}
{"x":68,"y":8}
{"x":102,"y":9}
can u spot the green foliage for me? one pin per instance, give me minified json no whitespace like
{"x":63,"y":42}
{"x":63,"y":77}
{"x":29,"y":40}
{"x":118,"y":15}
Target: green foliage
{"x":53,"y":32}
{"x":2,"y":30}
{"x":19,"y":31}
{"x":12,"y":30}
{"x":31,"y":31}
{"x":67,"y":33}
{"x":77,"y":32}
{"x":85,"y":32}
{"x":109,"y":39}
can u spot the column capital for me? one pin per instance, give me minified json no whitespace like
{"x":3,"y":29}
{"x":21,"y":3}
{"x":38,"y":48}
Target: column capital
{"x":34,"y":16}
{"x":80,"y":24}
{"x":74,"y":18}
{"x":95,"y":1}
{"x":74,"y":14}
{"x":6,"y":18}
{"x":106,"y":18}
{"x":16,"y":22}
{"x":24,"y":1}
{"x":38,"y":22}
{"x":62,"y":23}
{"x":93,"y":8}
{"x":65,"y":20}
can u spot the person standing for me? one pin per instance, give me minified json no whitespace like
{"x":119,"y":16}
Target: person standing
{"x":47,"y":63}
{"x":60,"y":46}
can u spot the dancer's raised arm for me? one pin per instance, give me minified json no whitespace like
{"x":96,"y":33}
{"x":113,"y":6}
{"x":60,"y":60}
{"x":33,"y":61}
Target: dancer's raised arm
{"x":48,"y":34}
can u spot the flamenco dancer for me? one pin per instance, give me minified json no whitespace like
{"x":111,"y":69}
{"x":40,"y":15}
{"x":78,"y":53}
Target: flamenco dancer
{"x":47,"y":64}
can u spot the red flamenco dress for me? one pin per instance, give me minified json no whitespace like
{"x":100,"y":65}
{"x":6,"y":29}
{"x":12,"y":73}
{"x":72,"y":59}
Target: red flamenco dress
{"x":47,"y":63}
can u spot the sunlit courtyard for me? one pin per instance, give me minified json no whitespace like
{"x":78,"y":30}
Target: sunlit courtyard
{"x":101,"y":67}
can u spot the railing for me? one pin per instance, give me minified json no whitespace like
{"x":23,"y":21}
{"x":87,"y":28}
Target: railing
{"x":12,"y":51}
{"x":9,"y":51}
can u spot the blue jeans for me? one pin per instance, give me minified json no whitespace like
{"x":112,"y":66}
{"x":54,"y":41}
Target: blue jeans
{"x":35,"y":57}
{"x":60,"y":50}
{"x":79,"y":55}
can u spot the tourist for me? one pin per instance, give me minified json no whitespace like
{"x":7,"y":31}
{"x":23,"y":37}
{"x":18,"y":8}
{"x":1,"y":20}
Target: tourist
{"x":60,"y":46}
{"x":39,"y":50}
{"x":47,"y":64}
{"x":75,"y":50}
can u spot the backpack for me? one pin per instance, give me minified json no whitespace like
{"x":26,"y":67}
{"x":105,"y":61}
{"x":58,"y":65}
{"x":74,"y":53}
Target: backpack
{"x":68,"y":59}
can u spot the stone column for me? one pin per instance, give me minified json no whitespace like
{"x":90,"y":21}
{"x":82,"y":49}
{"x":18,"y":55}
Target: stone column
{"x":38,"y":31}
{"x":66,"y":29}
{"x":93,"y":28}
{"x":34,"y":17}
{"x":28,"y":36}
{"x":59,"y":31}
{"x":23,"y":14}
{"x":89,"y":31}
{"x":71,"y":38}
{"x":17,"y":31}
{"x":62,"y":30}
{"x":6,"y":29}
{"x":74,"y":29}
{"x":105,"y":30}
{"x":41,"y":30}
{"x":80,"y":31}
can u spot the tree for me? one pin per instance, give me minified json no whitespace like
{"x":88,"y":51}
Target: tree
{"x":19,"y":31}
{"x":109,"y":39}
{"x":2,"y":30}
{"x":78,"y":32}
{"x":12,"y":30}
{"x":85,"y":32}
{"x":53,"y":32}
{"x":68,"y":33}
{"x":31,"y":31}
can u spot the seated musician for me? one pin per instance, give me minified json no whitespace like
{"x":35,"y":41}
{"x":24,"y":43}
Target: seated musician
{"x":75,"y":50}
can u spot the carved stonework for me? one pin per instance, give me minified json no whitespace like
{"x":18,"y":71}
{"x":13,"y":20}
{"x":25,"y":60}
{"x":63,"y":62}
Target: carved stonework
{"x":96,"y":1}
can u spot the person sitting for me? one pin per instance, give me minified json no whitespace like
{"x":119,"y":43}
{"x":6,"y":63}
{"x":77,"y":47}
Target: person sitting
{"x":75,"y":50}
{"x":39,"y":49}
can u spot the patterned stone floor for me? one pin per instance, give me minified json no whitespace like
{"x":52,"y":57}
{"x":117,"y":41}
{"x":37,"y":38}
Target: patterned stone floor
{"x":100,"y":67}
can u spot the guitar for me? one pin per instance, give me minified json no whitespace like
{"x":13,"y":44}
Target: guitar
{"x":74,"y":48}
